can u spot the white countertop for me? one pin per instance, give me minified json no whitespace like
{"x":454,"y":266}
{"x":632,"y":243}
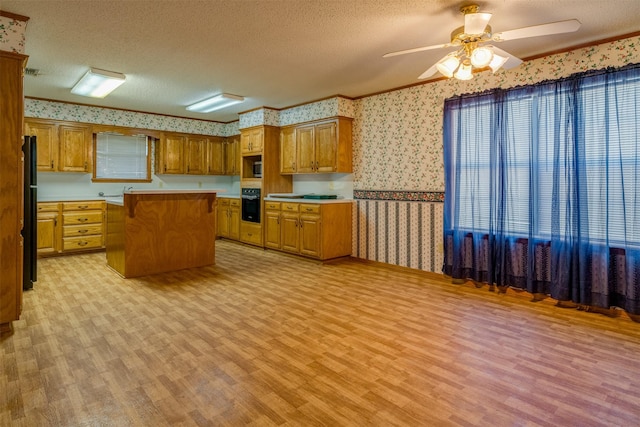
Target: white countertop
{"x":301,"y":200}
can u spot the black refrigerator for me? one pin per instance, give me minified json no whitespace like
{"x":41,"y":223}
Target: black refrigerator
{"x":30,"y":226}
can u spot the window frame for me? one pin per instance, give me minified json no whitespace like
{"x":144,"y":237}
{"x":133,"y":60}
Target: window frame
{"x":122,"y":132}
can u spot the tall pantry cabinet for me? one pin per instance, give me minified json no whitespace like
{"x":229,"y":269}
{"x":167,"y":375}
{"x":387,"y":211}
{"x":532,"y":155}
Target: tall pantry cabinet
{"x":11,"y":186}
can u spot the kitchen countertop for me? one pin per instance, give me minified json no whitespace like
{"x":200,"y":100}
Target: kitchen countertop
{"x":301,"y":200}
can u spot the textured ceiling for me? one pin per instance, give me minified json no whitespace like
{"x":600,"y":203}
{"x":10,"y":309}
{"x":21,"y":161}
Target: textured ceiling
{"x":276,"y":53}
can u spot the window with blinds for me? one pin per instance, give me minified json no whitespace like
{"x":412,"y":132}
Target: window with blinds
{"x":524,"y":162}
{"x":122,"y":157}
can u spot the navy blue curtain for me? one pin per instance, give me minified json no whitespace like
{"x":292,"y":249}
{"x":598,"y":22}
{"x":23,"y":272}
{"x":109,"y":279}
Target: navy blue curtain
{"x":542,"y":188}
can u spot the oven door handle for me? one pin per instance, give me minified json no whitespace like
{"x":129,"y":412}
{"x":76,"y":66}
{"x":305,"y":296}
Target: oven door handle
{"x":250,"y":197}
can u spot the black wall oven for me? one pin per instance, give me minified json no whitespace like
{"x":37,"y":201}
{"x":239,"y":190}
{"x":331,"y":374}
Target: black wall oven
{"x":250,"y":204}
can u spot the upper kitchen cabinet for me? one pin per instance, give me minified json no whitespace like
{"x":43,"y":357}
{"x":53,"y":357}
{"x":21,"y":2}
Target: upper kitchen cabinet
{"x":288,"y":150}
{"x":216,"y":158}
{"x":319,"y":147}
{"x":76,"y":148}
{"x":62,"y":146}
{"x":170,"y":154}
{"x":252,"y":141}
{"x":195,"y":155}
{"x":232,"y":155}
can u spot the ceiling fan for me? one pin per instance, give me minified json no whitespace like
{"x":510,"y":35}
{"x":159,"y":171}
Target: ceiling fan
{"x":473,"y":49}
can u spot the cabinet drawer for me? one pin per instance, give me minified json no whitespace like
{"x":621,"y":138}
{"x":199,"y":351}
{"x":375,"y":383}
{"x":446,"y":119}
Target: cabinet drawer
{"x":309,"y":208}
{"x":82,"y":230}
{"x":223,"y":202}
{"x":82,"y":206}
{"x":272,"y":205}
{"x":290,"y":207}
{"x":234,"y":202}
{"x":82,"y":217}
{"x":83,"y":242}
{"x":251,"y":234}
{"x":48,"y":207}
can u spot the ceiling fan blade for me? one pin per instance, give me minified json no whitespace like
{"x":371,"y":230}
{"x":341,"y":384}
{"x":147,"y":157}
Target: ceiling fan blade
{"x":512,"y":62}
{"x":430,"y":72}
{"x":475,"y":23}
{"x":416,"y":49}
{"x":567,"y":26}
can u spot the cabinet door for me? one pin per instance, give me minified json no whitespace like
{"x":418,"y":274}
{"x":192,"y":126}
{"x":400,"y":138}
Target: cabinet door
{"x":234,"y":220}
{"x":306,"y":149}
{"x":272,"y":229}
{"x":171,"y":154}
{"x":232,"y":156}
{"x":47,"y":236}
{"x":215,"y":156}
{"x":290,"y":232}
{"x":196,"y":155}
{"x":223,"y":218}
{"x":251,"y":141}
{"x":310,"y":235}
{"x":47,"y":144}
{"x":288,"y":150}
{"x":326,"y":147}
{"x":75,"y":149}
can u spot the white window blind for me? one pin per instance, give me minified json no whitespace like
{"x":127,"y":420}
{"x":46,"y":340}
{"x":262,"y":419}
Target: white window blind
{"x":121,"y":157}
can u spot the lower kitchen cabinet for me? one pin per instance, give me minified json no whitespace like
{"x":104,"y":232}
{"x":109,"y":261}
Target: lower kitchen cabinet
{"x":321,"y":231}
{"x":48,"y":228}
{"x":272,"y":225}
{"x":68,"y":227}
{"x":229,"y":218}
{"x":251,"y":233}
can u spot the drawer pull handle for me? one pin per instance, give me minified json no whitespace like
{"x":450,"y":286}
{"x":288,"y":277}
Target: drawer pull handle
{"x":309,"y":209}
{"x":83,"y":231}
{"x":83,"y":219}
{"x":83,"y":243}
{"x":83,"y":207}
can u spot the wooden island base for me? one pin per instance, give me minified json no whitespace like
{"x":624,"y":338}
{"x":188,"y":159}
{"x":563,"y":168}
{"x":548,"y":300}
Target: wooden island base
{"x":151,"y":232}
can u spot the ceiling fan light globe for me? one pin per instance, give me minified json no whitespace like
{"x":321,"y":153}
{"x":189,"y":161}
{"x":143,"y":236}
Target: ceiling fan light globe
{"x":448,"y":65}
{"x":464,"y":71}
{"x":497,"y":62}
{"x":481,"y":57}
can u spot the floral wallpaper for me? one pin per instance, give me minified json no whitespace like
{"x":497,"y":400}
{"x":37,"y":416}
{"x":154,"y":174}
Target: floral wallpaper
{"x":337,"y":106}
{"x":261,"y":116}
{"x":398,"y":165}
{"x":107,"y":116}
{"x":398,"y":135}
{"x":12,"y":34}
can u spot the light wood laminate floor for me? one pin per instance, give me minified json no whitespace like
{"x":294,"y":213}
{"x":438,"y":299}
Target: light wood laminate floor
{"x":266,"y":339}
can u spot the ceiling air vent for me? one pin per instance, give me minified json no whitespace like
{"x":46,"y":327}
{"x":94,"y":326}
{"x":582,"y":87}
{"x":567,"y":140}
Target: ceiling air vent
{"x":31,"y":72}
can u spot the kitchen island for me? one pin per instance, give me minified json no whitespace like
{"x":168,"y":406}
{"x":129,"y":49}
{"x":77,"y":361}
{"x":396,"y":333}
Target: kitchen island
{"x":155,"y":231}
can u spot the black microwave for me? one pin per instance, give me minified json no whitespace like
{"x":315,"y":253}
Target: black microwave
{"x":257,"y":169}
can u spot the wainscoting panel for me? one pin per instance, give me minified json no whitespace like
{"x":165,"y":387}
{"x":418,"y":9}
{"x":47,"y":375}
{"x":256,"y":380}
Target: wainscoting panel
{"x":398,"y":232}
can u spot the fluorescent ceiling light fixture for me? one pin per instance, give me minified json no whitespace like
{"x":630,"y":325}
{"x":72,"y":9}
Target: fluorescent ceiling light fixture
{"x":214,"y":103}
{"x":98,"y":83}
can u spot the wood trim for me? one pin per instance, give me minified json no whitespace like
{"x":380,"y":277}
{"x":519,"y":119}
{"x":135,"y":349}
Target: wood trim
{"x":317,"y":122}
{"x":14,"y":16}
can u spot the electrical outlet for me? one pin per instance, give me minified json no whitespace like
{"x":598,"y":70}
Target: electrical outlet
{"x":199,"y":185}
